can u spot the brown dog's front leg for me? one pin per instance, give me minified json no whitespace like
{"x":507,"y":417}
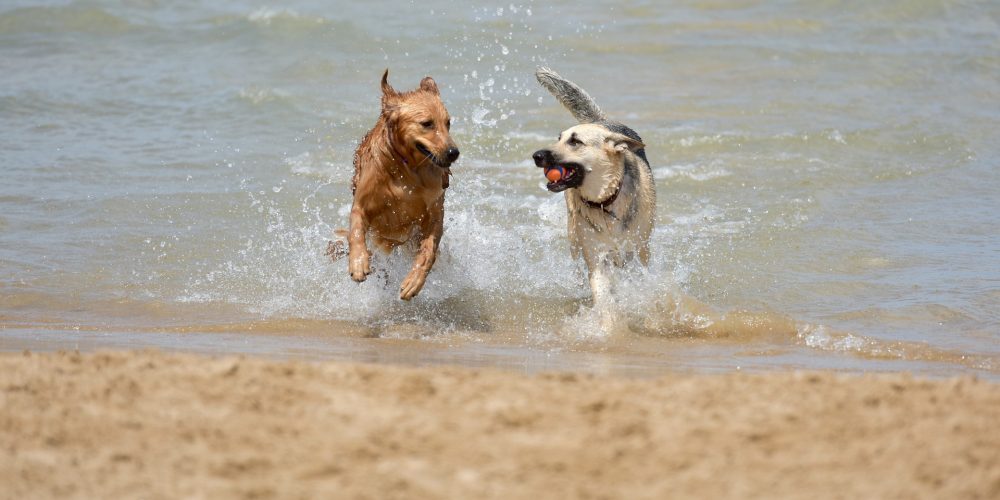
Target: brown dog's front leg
{"x":421,"y":267}
{"x":425,"y":256}
{"x":358,"y":254}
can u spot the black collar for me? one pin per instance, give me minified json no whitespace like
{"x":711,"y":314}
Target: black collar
{"x":607,"y":202}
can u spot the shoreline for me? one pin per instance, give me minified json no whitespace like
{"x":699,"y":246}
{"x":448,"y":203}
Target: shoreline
{"x":155,"y":424}
{"x":637,"y":355}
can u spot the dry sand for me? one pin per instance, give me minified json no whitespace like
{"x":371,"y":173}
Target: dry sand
{"x":154,"y":425}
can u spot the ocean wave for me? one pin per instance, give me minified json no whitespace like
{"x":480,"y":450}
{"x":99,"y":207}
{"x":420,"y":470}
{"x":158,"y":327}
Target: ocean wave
{"x":732,"y":139}
{"x":311,"y":164}
{"x":287,"y":22}
{"x":63,"y":19}
{"x":698,"y":173}
{"x":268,"y":15}
{"x":259,"y":95}
{"x":827,"y":339}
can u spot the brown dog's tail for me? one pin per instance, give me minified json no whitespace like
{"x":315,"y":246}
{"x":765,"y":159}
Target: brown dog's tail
{"x":575,"y":99}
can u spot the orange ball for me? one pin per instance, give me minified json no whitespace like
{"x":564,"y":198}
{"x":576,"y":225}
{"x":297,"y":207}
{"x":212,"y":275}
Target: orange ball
{"x":553,"y":174}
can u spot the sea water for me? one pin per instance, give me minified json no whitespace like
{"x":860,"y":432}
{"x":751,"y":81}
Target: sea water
{"x":173,"y":171}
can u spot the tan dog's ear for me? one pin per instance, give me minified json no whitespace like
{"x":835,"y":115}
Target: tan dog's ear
{"x":389,"y":94}
{"x":620,"y":142}
{"x":429,"y":85}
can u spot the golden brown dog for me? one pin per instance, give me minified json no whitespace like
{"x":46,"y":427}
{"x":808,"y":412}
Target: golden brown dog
{"x":401,"y":170}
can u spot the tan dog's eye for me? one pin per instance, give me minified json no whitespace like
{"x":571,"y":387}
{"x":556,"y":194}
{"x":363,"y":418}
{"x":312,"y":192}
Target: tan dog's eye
{"x":573,"y":141}
{"x":428,"y":124}
{"x":447,"y":124}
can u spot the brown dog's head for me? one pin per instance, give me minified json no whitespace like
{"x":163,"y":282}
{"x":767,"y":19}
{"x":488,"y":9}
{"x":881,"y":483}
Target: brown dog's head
{"x":418,"y":124}
{"x":592,"y":158}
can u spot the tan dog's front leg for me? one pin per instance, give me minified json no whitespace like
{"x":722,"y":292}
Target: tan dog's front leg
{"x":358,"y":254}
{"x":602,"y":285}
{"x":425,"y":256}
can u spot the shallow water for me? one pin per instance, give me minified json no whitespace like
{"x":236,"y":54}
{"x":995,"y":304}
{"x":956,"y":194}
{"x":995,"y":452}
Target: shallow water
{"x":174,"y":170}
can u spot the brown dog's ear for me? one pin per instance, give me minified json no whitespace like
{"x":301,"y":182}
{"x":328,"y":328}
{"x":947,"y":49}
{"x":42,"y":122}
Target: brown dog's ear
{"x":621,"y":142}
{"x":388,"y":93}
{"x":429,"y":85}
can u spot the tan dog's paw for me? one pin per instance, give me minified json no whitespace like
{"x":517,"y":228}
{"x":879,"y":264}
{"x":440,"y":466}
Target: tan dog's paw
{"x":412,"y":284}
{"x":359,"y":266}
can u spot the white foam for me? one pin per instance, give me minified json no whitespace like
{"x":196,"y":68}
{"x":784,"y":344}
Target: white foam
{"x":552,"y":211}
{"x":265,"y":15}
{"x":260,"y":95}
{"x":821,"y":337}
{"x":479,"y":117}
{"x":321,"y":166}
{"x":695,"y":172}
{"x":531,"y":136}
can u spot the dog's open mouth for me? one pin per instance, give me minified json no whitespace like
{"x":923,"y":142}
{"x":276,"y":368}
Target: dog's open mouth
{"x":562,"y":177}
{"x":431,"y":156}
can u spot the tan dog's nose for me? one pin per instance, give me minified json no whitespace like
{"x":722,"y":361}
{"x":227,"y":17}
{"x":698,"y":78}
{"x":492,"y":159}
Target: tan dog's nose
{"x":541,"y":157}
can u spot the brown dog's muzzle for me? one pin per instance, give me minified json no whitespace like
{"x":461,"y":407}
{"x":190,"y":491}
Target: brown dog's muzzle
{"x":443,"y":161}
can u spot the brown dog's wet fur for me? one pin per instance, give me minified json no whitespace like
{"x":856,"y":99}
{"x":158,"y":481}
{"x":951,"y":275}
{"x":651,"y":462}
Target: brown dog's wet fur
{"x":401,"y":170}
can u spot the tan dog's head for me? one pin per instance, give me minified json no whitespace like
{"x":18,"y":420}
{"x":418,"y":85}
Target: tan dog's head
{"x":418,"y":124}
{"x":592,"y":158}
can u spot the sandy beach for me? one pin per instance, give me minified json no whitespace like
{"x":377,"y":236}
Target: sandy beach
{"x":819,"y":316}
{"x":155,"y":425}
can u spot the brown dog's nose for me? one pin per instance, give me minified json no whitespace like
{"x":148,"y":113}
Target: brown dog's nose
{"x":451,"y":154}
{"x":541,"y":156}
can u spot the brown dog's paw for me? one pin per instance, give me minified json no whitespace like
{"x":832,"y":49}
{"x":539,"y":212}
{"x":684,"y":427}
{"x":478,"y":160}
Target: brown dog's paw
{"x":413,"y":283}
{"x":336,"y":250}
{"x":359,"y":267}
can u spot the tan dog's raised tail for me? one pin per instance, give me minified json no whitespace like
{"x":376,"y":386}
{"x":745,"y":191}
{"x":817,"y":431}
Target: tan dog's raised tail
{"x":401,"y":170}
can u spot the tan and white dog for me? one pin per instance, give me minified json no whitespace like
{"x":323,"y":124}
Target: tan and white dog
{"x":608,"y":185}
{"x":611,"y":203}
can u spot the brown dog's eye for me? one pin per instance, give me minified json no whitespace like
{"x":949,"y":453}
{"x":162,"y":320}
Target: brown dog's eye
{"x":427,"y":124}
{"x":447,"y":124}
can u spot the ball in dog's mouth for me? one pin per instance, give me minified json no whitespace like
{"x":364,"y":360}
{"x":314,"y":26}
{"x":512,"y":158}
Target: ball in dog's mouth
{"x":561,"y":177}
{"x":554,"y":174}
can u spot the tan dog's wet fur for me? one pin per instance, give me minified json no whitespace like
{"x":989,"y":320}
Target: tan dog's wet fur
{"x":611,"y":208}
{"x":608,"y":184}
{"x":401,"y":171}
{"x":611,"y":213}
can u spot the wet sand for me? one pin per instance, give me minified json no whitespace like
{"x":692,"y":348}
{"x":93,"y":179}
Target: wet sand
{"x":156,"y":425}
